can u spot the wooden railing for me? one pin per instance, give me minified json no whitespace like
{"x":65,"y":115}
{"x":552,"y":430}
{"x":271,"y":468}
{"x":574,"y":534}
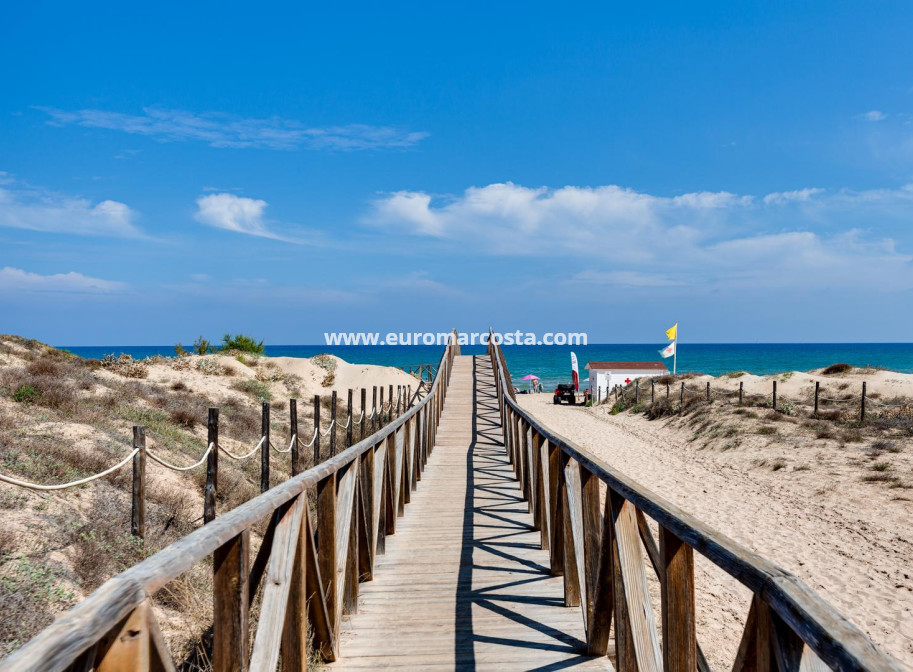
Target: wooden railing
{"x":309,"y":563}
{"x":599,"y":550}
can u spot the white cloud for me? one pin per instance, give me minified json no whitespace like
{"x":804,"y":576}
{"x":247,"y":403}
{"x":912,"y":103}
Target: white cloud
{"x":797,"y":196}
{"x":873,"y":115}
{"x":25,"y":207}
{"x":642,"y":240}
{"x":223,"y":130}
{"x":236,"y":213}
{"x":15,"y":279}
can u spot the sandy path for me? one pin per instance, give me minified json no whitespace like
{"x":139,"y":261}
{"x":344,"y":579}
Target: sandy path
{"x":854,"y":549}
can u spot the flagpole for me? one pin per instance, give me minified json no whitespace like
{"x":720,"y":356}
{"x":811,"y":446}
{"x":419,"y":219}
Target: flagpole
{"x":675,"y":352}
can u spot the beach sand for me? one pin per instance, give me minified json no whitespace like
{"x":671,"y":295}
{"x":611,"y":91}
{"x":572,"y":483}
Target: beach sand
{"x":850,"y":540}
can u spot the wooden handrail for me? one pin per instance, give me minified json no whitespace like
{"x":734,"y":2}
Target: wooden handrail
{"x":373,"y":476}
{"x":797,"y":615}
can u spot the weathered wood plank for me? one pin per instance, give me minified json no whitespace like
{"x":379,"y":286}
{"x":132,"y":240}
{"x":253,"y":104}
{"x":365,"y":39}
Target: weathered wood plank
{"x":230,"y":605}
{"x":277,"y":587}
{"x":294,"y":649}
{"x":641,"y":620}
{"x":678,"y":615}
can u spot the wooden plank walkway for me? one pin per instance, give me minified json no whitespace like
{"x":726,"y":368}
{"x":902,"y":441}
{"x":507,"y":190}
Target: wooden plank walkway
{"x":463,"y":583}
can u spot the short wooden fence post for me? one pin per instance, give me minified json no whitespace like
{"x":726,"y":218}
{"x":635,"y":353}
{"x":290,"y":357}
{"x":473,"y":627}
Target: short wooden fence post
{"x":138,"y":514}
{"x":293,"y":432}
{"x":862,"y":405}
{"x":708,"y":391}
{"x":741,"y":388}
{"x":264,"y":448}
{"x":212,"y":467}
{"x":817,"y":389}
{"x":681,"y":396}
{"x":637,"y":390}
{"x":380,"y":407}
{"x":364,"y":419}
{"x":652,"y":391}
{"x":316,"y":429}
{"x":374,"y":411}
{"x":349,"y":423}
{"x":333,"y":427}
{"x":775,"y":396}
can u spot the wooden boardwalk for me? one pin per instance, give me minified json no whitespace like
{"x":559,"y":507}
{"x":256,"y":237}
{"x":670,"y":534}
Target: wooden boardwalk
{"x":463,"y":583}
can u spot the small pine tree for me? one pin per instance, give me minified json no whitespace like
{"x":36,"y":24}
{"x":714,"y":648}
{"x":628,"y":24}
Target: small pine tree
{"x":201,"y":346}
{"x":242,"y":343}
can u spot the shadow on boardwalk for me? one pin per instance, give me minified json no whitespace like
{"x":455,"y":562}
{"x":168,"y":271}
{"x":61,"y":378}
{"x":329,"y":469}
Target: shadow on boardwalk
{"x":464,"y":583}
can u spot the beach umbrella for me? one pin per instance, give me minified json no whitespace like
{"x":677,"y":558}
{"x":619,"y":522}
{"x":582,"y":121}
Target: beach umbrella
{"x":530,"y":377}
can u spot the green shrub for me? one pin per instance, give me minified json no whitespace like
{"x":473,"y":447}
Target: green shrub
{"x":201,"y":346}
{"x":254,"y":388}
{"x":242,"y":343}
{"x":26,"y":394}
{"x":179,"y":350}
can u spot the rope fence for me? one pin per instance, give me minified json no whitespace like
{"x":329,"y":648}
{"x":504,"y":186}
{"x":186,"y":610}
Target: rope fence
{"x":388,"y":412}
{"x":632,"y":394}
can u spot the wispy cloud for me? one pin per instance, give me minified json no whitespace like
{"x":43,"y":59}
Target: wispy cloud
{"x":237,"y":213}
{"x":873,"y":115}
{"x":18,"y":280}
{"x":224,"y":130}
{"x":635,"y":239}
{"x":35,"y":209}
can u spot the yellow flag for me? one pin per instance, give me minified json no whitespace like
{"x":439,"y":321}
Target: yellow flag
{"x":672,"y":332}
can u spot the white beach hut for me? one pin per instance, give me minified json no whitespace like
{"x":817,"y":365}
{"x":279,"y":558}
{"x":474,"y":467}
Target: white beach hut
{"x":605,"y":375}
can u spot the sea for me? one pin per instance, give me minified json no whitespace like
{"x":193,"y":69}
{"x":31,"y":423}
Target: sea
{"x":552,"y":364}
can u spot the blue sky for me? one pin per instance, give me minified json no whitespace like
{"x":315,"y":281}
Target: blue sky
{"x":743,"y":168}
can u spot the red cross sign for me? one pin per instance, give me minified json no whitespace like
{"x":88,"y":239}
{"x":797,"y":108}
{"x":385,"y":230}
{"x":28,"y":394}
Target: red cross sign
{"x":627,"y":380}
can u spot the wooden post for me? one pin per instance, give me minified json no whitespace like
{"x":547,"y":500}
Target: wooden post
{"x":409,"y":397}
{"x":349,"y":423}
{"x":316,"y":429}
{"x":708,"y":391}
{"x":678,"y":617}
{"x":333,"y":424}
{"x":380,"y":408}
{"x":390,"y":417}
{"x":652,"y":390}
{"x":862,"y":405}
{"x":399,"y":400}
{"x":374,"y":411}
{"x":681,"y":396}
{"x":364,"y":419}
{"x":326,"y":546}
{"x":775,"y":395}
{"x":264,"y":449}
{"x":293,"y":436}
{"x":138,"y":514}
{"x":817,"y":389}
{"x":230,"y":604}
{"x":212,"y":467}
{"x":637,"y":390}
{"x":741,"y":389}
{"x":667,"y":390}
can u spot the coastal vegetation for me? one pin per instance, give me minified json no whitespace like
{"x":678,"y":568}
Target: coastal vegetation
{"x":63,"y":418}
{"x":716,"y":416}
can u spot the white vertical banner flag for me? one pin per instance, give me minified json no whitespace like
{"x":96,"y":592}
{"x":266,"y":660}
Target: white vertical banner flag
{"x":574,"y":374}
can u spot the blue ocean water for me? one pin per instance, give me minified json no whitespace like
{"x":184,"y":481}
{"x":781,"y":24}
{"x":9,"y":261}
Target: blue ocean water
{"x":552,"y":363}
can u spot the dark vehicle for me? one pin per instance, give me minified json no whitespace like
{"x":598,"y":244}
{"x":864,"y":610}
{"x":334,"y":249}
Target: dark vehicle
{"x":565,"y":392}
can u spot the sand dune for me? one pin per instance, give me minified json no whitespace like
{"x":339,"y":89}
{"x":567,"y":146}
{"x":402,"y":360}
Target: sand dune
{"x":849,"y":540}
